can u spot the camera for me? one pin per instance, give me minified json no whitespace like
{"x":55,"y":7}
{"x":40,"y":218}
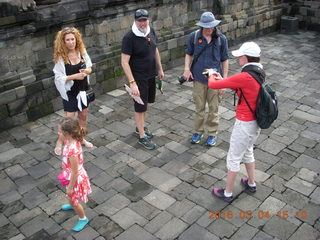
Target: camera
{"x":181,"y":79}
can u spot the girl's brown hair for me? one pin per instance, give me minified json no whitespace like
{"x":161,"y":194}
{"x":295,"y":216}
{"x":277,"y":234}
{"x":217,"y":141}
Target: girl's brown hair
{"x":60,"y":48}
{"x":72,"y":127}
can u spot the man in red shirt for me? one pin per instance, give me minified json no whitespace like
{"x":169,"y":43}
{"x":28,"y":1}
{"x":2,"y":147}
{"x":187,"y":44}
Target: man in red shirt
{"x":246,"y":130}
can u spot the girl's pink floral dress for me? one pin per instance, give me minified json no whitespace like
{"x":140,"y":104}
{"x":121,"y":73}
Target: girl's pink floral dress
{"x":82,"y":186}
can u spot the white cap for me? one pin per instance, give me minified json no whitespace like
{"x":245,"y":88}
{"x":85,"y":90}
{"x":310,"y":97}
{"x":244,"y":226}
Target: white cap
{"x":249,"y":49}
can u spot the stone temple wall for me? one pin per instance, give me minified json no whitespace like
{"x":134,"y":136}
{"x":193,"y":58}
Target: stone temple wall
{"x":27,"y":31}
{"x":307,"y":12}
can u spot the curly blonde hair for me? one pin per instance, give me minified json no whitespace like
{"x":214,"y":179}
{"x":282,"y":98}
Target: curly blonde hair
{"x":60,"y":49}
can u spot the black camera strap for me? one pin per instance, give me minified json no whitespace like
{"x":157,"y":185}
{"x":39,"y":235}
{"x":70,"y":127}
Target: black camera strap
{"x":196,"y":57}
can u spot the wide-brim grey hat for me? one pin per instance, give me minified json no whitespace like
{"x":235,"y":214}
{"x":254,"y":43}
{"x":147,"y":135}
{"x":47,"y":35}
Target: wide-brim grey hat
{"x":207,"y":20}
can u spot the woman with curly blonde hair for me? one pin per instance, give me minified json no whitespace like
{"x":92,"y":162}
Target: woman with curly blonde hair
{"x":71,"y":76}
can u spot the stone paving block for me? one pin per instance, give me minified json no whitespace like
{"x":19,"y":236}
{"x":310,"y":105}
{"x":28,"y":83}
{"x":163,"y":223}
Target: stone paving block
{"x":175,"y":167}
{"x":38,"y":151}
{"x":245,"y":232}
{"x":193,"y":215}
{"x":5,"y":146}
{"x":208,"y":159}
{"x":160,"y":179}
{"x":272,"y":205}
{"x":101,"y":179}
{"x":279,"y":228}
{"x":100,"y":196}
{"x":179,"y":208}
{"x":92,"y":170}
{"x":8,"y":231}
{"x":140,"y":155}
{"x":272,"y":146}
{"x":110,"y":230}
{"x":144,"y":209}
{"x":195,"y":232}
{"x":205,"y":199}
{"x":205,"y":220}
{"x":12,"y":208}
{"x":305,"y":161}
{"x":217,"y":152}
{"x":18,"y":237}
{"x":246,"y":202}
{"x":42,"y":221}
{"x":158,"y":222}
{"x":113,"y":205}
{"x":57,"y":199}
{"x":119,"y":146}
{"x":10,"y":154}
{"x":315,"y":196}
{"x":259,"y":176}
{"x":10,"y":197}
{"x":137,"y":190}
{"x":204,"y":181}
{"x":283,"y":170}
{"x":312,"y":213}
{"x":118,"y":184}
{"x":222,"y":228}
{"x":85,"y":234}
{"x":39,"y":170}
{"x":176,"y":147}
{"x":262,"y":236}
{"x":306,"y":174}
{"x":305,"y":232}
{"x":125,"y":218}
{"x":15,"y":172}
{"x":172,"y":229}
{"x":217,"y":173}
{"x":301,"y":186}
{"x":306,"y":116}
{"x":189,"y":175}
{"x":33,"y":198}
{"x":3,"y":220}
{"x":159,"y":199}
{"x":276,"y":183}
{"x":135,"y":232}
{"x":103,"y":163}
{"x":295,"y":199}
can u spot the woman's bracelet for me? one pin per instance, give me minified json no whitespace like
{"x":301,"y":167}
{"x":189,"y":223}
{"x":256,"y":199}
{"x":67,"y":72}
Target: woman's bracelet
{"x":131,"y":81}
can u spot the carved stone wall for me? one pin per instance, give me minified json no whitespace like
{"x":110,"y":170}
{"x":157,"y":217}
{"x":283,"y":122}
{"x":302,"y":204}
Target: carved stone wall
{"x":27,"y":89}
{"x":307,"y":12}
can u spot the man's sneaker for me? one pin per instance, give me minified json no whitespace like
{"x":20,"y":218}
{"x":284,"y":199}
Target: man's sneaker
{"x":219,"y":192}
{"x":147,"y":143}
{"x":211,"y":141}
{"x":244,"y":181}
{"x":196,"y":138}
{"x":146,"y":132}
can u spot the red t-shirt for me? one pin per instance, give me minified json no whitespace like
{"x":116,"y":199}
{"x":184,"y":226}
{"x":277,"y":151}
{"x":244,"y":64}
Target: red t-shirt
{"x":250,"y":88}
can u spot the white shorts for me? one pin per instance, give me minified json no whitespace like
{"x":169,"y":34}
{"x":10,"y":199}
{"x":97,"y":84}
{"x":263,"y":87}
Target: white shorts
{"x":243,"y":136}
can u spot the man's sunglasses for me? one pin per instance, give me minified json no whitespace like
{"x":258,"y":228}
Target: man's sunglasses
{"x":141,"y":13}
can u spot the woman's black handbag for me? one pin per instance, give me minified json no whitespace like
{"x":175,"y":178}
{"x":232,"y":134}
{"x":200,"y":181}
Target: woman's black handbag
{"x":90,"y":94}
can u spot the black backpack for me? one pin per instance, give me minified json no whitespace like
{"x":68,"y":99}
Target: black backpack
{"x":267,"y":102}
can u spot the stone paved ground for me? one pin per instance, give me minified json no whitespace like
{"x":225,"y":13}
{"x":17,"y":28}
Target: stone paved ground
{"x":165,"y":194}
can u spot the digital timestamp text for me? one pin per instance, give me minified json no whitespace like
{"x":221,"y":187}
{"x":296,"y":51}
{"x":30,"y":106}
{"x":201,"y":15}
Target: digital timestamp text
{"x":260,"y":214}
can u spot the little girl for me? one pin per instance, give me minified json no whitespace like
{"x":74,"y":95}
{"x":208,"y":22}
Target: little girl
{"x":73,"y":170}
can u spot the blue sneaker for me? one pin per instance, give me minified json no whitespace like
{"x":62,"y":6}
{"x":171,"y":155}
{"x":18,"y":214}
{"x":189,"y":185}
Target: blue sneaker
{"x":211,"y":141}
{"x":146,"y":132}
{"x":66,"y":207}
{"x":196,"y":138}
{"x":80,"y":225}
{"x":147,"y":143}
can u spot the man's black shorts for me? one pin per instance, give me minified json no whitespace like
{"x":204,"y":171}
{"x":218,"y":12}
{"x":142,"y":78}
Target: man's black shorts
{"x":147,"y":90}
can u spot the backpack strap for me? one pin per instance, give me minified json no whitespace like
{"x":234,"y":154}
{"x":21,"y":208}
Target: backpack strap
{"x":258,"y":74}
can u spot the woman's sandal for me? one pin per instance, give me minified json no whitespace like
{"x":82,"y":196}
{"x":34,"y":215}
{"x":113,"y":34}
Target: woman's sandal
{"x":87,"y":144}
{"x":58,"y":149}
